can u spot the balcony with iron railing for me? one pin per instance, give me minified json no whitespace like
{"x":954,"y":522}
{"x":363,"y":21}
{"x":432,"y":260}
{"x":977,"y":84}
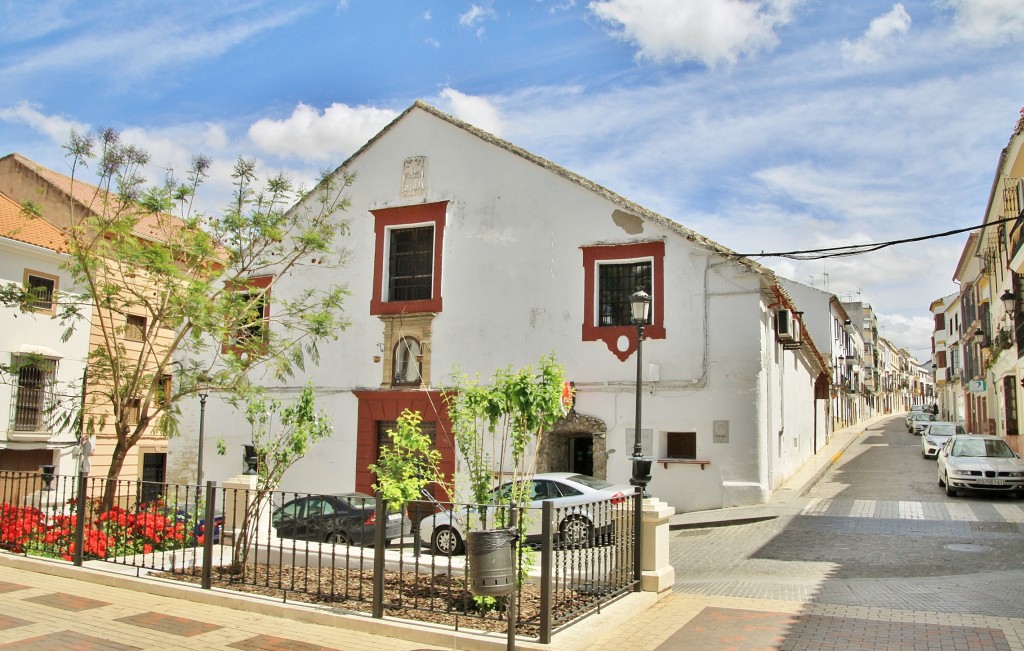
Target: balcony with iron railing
{"x":1013,"y":203}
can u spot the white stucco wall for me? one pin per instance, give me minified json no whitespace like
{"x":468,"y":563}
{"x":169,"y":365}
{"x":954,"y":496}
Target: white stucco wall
{"x":40,"y":333}
{"x":512,"y":288}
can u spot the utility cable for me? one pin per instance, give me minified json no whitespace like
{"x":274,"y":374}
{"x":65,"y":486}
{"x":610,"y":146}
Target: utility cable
{"x":858,"y":249}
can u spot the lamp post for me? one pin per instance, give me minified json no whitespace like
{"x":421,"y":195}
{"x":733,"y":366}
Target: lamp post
{"x":204,"y":391}
{"x":1009,"y":302}
{"x":640,"y":302}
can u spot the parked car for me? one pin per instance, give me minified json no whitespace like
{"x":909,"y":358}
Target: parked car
{"x":343,"y":519}
{"x":979,"y":462}
{"x":917,"y":420}
{"x":580,"y":522}
{"x":935,"y":434}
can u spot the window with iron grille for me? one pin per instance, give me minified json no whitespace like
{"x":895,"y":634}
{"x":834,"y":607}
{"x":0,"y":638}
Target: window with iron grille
{"x":43,"y":288}
{"x":616,"y":283}
{"x":384,"y":441}
{"x":1010,"y":404}
{"x":254,"y":326}
{"x":411,"y":264}
{"x":135,"y":327}
{"x":34,"y":393}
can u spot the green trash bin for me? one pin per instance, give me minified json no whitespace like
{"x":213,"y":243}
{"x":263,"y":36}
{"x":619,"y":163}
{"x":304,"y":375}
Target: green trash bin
{"x":492,"y":570}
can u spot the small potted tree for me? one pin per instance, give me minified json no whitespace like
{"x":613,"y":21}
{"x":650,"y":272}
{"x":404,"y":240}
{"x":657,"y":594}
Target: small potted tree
{"x":407,"y":467}
{"x":498,"y":428}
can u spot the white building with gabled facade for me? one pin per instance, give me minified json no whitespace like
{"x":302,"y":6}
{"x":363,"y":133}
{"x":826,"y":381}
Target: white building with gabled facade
{"x":469,"y":252}
{"x":46,"y":364}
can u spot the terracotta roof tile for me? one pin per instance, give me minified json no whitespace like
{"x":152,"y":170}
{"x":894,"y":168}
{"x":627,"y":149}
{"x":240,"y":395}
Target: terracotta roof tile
{"x":16,"y":225}
{"x":149,"y":226}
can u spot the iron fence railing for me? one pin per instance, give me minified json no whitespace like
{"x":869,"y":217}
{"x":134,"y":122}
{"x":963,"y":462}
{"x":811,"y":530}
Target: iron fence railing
{"x":570,"y":559}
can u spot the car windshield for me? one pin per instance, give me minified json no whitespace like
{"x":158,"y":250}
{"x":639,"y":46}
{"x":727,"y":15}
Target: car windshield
{"x":982,"y":448}
{"x":590,"y":482}
{"x":945,"y":429}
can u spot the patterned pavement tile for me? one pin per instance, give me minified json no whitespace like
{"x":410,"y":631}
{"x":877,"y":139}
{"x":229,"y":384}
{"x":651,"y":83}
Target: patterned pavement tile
{"x":66,"y":641}
{"x":717,"y":629}
{"x":6,"y":586}
{"x":65,"y":601}
{"x":169,"y":624}
{"x":8,"y":622}
{"x":271,"y":643}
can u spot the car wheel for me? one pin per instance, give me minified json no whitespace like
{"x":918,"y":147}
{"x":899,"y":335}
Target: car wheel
{"x":446,"y":541}
{"x":577,"y":531}
{"x":338,"y":538}
{"x":952,"y":492}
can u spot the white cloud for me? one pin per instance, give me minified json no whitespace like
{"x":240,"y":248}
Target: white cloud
{"x":475,"y":15}
{"x":478,"y":111}
{"x":31,"y":20}
{"x":55,"y":127}
{"x":988,"y":22}
{"x":710,"y":31}
{"x":152,"y":42}
{"x":310,"y":135}
{"x":880,"y":33}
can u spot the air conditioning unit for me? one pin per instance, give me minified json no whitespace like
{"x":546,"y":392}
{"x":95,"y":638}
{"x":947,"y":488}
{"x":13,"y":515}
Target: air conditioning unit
{"x":786,"y":327}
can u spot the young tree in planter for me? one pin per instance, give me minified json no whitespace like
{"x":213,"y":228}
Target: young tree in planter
{"x":281,"y":435}
{"x":407,"y":466}
{"x":159,"y":285}
{"x":498,"y":426}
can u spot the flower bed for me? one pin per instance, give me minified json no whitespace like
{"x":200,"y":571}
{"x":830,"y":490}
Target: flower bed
{"x":117,"y":532}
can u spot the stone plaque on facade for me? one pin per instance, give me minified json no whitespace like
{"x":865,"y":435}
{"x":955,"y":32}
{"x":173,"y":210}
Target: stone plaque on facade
{"x":720,"y":431}
{"x":414,"y":175}
{"x":646,"y":440}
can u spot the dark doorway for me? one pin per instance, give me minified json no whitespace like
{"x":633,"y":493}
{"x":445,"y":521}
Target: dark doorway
{"x":581,"y":455}
{"x":154,"y":469}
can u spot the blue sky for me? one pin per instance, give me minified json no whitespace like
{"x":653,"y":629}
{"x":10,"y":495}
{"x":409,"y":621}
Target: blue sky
{"x":766,"y":125}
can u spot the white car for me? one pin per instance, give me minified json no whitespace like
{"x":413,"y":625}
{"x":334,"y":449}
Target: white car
{"x":979,"y":462}
{"x":917,"y":420}
{"x":583,"y":512}
{"x":935,"y":434}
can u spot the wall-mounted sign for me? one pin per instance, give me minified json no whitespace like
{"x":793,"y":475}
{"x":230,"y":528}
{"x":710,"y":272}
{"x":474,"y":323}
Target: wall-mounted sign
{"x":720,"y":431}
{"x":976,"y":386}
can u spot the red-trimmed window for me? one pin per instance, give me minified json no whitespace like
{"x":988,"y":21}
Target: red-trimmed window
{"x":407,"y":258}
{"x":254,"y":295}
{"x":611,"y":274}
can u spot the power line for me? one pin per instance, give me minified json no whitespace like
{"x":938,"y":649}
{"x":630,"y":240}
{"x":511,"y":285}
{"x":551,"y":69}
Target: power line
{"x":858,"y":249}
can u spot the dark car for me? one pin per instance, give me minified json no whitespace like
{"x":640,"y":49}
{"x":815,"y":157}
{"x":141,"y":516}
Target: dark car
{"x":343,"y":519}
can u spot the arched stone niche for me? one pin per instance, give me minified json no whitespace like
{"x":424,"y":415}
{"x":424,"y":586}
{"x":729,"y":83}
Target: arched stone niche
{"x":574,"y":433}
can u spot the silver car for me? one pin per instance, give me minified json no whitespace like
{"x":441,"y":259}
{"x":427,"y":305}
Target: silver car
{"x":583,"y":512}
{"x":981,"y":463}
{"x":917,"y":421}
{"x":935,"y":434}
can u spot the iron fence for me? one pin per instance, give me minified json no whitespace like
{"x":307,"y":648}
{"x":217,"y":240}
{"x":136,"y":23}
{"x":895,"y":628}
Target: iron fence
{"x":344,"y":550}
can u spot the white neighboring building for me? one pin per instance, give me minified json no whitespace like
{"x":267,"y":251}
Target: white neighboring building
{"x":836,"y":336}
{"x":471,"y":252}
{"x":50,"y":373}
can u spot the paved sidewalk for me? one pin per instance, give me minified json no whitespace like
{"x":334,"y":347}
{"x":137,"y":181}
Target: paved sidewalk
{"x":46,"y":605}
{"x":785,"y":500}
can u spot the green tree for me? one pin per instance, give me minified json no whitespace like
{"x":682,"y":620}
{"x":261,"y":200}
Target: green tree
{"x":408,"y":465}
{"x":281,"y":435}
{"x":159,"y":280}
{"x":498,"y":426}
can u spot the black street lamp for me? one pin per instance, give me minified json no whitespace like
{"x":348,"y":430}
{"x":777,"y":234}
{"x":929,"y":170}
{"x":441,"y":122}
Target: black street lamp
{"x":204,"y":391}
{"x":640,"y":302}
{"x":1009,"y":303}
